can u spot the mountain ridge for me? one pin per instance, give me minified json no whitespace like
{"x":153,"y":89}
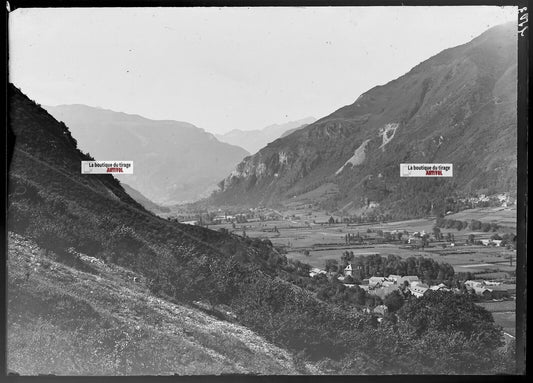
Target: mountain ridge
{"x":253,"y":140}
{"x":174,"y":161}
{"x":456,"y":107}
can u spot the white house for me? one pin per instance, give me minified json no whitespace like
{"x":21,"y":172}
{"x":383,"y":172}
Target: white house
{"x":473,"y":283}
{"x":419,"y":290}
{"x":440,"y":286}
{"x":348,"y":270}
{"x":315,"y":271}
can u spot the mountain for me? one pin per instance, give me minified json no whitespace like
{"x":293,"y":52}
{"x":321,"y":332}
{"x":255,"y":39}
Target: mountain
{"x":253,"y":140}
{"x":290,"y":131}
{"x":173,"y":161}
{"x":457,"y":107}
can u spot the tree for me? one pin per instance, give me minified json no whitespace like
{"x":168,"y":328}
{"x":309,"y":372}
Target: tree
{"x":347,"y":257}
{"x":331,"y":221}
{"x":436,"y":233}
{"x":451,"y":313}
{"x":394,"y":301}
{"x":332,"y":265}
{"x":349,"y":279}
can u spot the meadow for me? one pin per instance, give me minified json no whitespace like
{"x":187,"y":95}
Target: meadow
{"x":307,"y":238}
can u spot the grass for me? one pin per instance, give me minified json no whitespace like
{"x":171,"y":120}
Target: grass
{"x":501,"y":215}
{"x":67,"y":322}
{"x":302,"y":237}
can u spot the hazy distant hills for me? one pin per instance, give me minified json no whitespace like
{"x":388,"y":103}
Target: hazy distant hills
{"x":253,"y":140}
{"x":173,"y":161}
{"x":456,"y":107}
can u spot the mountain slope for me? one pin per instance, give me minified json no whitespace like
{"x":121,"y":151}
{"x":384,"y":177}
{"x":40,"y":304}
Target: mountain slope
{"x":145,"y":202}
{"x":173,"y":161}
{"x":73,"y":310}
{"x":457,"y":107}
{"x":68,"y":213}
{"x":253,"y":140}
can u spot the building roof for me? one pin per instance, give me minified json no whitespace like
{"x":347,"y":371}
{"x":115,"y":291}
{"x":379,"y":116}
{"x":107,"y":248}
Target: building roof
{"x":418,"y":289}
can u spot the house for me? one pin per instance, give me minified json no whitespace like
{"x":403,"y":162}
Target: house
{"x":348,"y":270}
{"x":381,"y":310}
{"x":419,"y":290}
{"x":316,"y":271}
{"x":440,"y":286}
{"x":415,"y":241}
{"x":483,"y":291}
{"x":373,"y":281}
{"x":475,"y":283}
{"x":491,"y":242}
{"x":394,"y":277}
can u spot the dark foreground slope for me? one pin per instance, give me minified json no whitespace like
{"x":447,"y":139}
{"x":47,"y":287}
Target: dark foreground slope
{"x":96,"y":318}
{"x":174,"y":161}
{"x":74,"y":218}
{"x":457,"y":107}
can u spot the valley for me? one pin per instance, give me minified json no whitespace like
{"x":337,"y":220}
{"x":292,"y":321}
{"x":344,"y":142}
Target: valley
{"x":311,"y":255}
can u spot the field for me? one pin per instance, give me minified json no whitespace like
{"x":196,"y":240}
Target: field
{"x":504,"y":314}
{"x":303,"y":230}
{"x":504,"y":216}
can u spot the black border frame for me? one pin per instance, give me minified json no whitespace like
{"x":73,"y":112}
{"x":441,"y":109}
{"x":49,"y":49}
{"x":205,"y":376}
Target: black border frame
{"x":522,"y":192}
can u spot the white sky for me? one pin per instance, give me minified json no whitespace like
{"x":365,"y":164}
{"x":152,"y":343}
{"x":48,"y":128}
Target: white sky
{"x":229,"y":68}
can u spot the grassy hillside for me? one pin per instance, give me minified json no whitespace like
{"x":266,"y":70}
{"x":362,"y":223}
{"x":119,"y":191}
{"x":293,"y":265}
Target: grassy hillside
{"x":105,"y":321}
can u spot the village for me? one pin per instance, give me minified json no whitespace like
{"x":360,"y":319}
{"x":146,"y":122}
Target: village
{"x":478,"y":244}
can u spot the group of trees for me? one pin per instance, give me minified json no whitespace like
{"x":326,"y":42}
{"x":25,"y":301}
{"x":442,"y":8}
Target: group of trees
{"x":475,"y":225}
{"x":375,"y":265}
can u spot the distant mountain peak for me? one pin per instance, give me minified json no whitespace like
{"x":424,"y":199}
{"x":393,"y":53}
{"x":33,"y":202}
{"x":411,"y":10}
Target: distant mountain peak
{"x":253,"y":140}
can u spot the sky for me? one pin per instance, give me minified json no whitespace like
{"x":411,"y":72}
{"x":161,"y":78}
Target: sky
{"x":228,"y":68}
